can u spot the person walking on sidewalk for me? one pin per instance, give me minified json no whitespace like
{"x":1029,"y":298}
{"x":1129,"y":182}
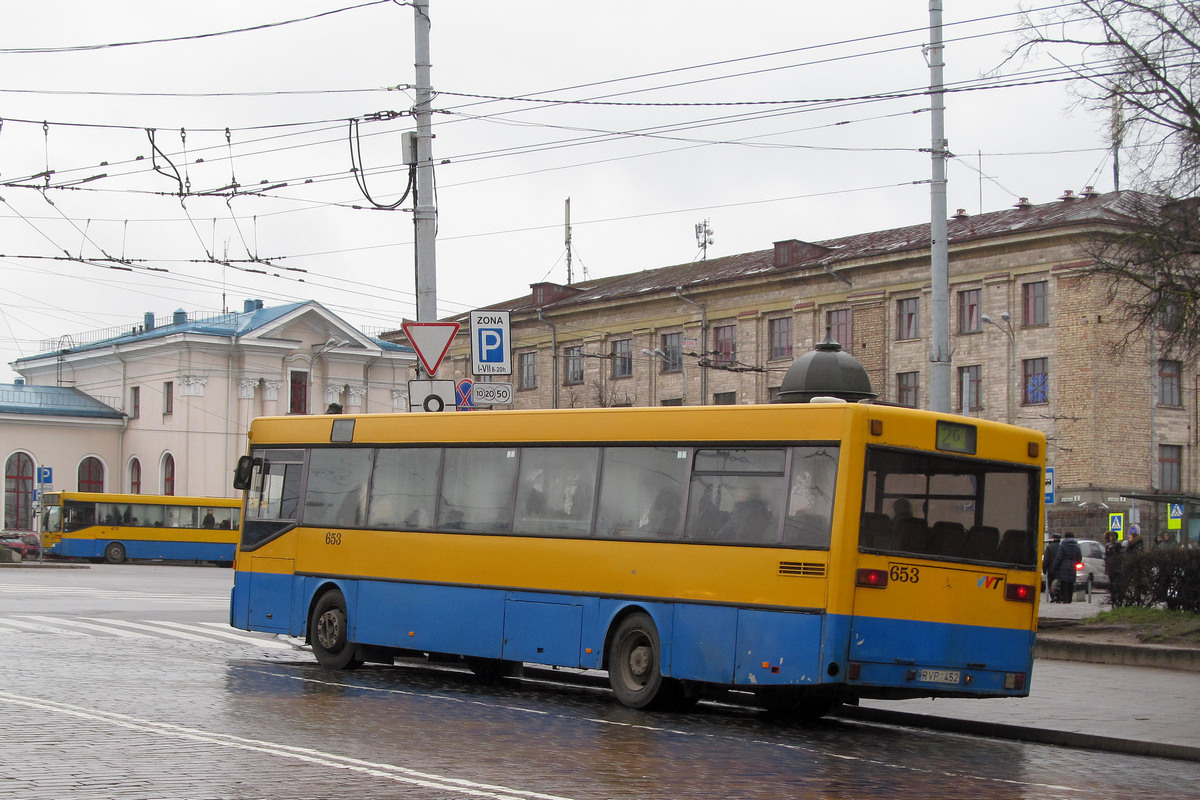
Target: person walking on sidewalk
{"x":1063,"y":568}
{"x":1047,"y":560}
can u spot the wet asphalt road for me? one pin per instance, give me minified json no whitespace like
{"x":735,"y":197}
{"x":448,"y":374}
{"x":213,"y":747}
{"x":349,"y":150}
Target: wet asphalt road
{"x":126,"y":682}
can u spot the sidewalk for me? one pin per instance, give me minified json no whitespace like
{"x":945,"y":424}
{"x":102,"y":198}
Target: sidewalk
{"x":1101,"y":706}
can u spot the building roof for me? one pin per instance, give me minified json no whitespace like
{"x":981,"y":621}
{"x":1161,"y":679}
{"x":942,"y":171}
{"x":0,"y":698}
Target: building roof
{"x":54,"y":401}
{"x":1113,"y":208}
{"x":237,"y":323}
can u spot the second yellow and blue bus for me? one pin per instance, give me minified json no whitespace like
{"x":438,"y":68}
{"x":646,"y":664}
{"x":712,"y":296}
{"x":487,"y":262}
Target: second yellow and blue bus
{"x":116,"y":527}
{"x":810,"y":554}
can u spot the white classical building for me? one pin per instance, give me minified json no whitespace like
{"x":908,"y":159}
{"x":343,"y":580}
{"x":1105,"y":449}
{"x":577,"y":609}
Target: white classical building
{"x":164,"y":406}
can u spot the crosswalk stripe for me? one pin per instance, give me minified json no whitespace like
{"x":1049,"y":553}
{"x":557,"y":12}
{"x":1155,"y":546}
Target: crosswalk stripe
{"x":37,"y":628}
{"x":86,"y":625}
{"x":244,"y":637}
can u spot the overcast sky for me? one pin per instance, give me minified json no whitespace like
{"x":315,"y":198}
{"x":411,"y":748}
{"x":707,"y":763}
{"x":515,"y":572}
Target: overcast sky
{"x":702,"y":136}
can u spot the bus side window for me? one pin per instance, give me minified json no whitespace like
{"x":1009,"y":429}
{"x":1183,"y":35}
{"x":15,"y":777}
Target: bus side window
{"x":404,"y":487}
{"x":631,"y":479}
{"x":477,"y":489}
{"x":337,"y":486}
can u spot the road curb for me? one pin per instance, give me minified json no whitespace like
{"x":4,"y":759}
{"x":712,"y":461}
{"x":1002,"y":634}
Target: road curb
{"x":1186,"y":659}
{"x":1019,"y":733}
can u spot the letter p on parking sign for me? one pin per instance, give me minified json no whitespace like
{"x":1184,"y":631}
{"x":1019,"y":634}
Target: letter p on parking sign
{"x":491,"y":349}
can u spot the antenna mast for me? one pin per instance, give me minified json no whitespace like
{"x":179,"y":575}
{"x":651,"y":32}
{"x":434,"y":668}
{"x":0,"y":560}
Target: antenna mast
{"x":567,"y":239}
{"x":704,"y":237}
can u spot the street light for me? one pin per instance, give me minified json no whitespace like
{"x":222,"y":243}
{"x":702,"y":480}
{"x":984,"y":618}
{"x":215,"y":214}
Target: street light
{"x":1007,"y":330}
{"x":665,"y":359}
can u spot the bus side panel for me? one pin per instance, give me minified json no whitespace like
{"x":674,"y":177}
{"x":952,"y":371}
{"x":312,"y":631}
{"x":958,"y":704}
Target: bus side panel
{"x":70,"y":547}
{"x":262,"y":596}
{"x":703,"y":645}
{"x":175,"y":551}
{"x":775,"y":648}
{"x":543,"y":632}
{"x":442,"y":619}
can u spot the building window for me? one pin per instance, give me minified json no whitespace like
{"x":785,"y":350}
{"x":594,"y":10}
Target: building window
{"x":725,"y":399}
{"x":298,"y":392}
{"x":527,"y":370}
{"x":672,"y":347}
{"x":779,"y":331}
{"x":968,"y":312}
{"x":1170,"y":457}
{"x":91,"y":475}
{"x":622,"y":358}
{"x":672,"y":401}
{"x":168,"y":398}
{"x":135,"y":402}
{"x":1033,"y":299}
{"x":969,"y":384}
{"x":1170,"y":383}
{"x":18,"y":493}
{"x":908,"y":321}
{"x":838,"y":322}
{"x":135,"y":477}
{"x":908,"y":389}
{"x":725,"y":344}
{"x":574,"y":364}
{"x":168,"y":474}
{"x":1036,"y":380}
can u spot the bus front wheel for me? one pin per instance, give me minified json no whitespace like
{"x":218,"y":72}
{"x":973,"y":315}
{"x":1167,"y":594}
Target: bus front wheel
{"x":634,"y":662}
{"x":328,"y":633}
{"x":114,"y":553}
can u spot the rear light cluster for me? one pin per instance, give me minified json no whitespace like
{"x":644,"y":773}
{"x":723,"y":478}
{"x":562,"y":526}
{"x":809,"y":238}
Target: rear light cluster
{"x":1014,"y":681}
{"x":874,"y":578}
{"x":1019,"y":592}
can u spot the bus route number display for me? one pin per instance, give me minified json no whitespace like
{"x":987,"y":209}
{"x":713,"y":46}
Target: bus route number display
{"x":955,"y":437}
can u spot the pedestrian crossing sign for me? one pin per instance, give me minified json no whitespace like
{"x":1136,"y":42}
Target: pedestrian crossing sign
{"x":1174,"y":516}
{"x":1116,"y":524}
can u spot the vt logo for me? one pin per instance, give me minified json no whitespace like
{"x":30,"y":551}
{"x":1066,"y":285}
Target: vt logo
{"x":988,"y":581}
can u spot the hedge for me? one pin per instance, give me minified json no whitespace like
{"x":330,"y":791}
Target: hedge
{"x":1156,"y":578}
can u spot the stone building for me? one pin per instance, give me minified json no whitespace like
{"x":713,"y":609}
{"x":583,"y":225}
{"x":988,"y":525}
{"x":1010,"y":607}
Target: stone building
{"x":1033,"y":341}
{"x":163,"y":407}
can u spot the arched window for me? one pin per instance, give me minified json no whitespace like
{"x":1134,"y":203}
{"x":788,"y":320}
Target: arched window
{"x":18,"y":493}
{"x":135,"y":476}
{"x":91,"y":475}
{"x":168,"y":471}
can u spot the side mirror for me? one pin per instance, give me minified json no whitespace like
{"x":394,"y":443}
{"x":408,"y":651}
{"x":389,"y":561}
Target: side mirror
{"x":244,"y":472}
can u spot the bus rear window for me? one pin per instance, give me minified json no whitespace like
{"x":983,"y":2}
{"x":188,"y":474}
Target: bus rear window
{"x":950,"y":508}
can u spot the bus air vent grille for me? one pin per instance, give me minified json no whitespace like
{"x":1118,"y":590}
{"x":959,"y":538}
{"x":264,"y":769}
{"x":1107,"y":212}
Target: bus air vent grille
{"x":802,"y":569}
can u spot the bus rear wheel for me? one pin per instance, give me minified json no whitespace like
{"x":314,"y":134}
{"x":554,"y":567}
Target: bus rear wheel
{"x":114,"y":553}
{"x":635,"y":663}
{"x":328,"y":632}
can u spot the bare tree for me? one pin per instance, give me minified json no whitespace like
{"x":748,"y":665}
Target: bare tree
{"x":1139,"y":60}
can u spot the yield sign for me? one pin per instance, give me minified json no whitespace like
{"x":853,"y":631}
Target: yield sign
{"x":431,"y":340}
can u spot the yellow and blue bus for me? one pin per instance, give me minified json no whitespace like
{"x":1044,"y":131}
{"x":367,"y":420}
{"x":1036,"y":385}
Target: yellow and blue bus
{"x":812,"y":554}
{"x":117,"y":527}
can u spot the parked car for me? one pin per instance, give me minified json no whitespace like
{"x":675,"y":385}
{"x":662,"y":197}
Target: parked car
{"x":26,"y":544}
{"x":1090,"y":570}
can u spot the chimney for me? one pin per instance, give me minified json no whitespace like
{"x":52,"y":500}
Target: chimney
{"x":179,"y":317}
{"x":1088,"y":192}
{"x":1068,"y":195}
{"x":1023,"y":203}
{"x":247,"y":306}
{"x":148,"y":321}
{"x":961,"y":214}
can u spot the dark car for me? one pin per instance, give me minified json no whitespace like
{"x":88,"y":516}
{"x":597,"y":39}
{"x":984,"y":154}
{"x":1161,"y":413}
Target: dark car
{"x":25,"y":544}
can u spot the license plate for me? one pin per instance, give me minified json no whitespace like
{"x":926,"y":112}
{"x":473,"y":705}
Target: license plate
{"x":939,"y":676}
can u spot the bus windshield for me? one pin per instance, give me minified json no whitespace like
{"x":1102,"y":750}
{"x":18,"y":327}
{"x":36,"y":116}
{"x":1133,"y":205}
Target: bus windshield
{"x":941,"y":507}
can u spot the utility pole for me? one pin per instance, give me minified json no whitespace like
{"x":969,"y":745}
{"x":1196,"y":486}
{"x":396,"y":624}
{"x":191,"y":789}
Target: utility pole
{"x":567,"y":239}
{"x":425,"y":212}
{"x":939,"y":352}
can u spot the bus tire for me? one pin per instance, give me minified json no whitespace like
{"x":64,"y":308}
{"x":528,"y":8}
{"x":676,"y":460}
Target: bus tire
{"x":328,"y":632}
{"x":114,"y":553}
{"x":635,"y":663}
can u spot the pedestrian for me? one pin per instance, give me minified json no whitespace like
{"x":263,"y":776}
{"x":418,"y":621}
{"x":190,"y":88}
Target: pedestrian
{"x":1047,"y":560}
{"x":1157,"y":541}
{"x":1063,"y":568}
{"x":1136,"y":545}
{"x":1112,"y":549}
{"x":1168,"y":542}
